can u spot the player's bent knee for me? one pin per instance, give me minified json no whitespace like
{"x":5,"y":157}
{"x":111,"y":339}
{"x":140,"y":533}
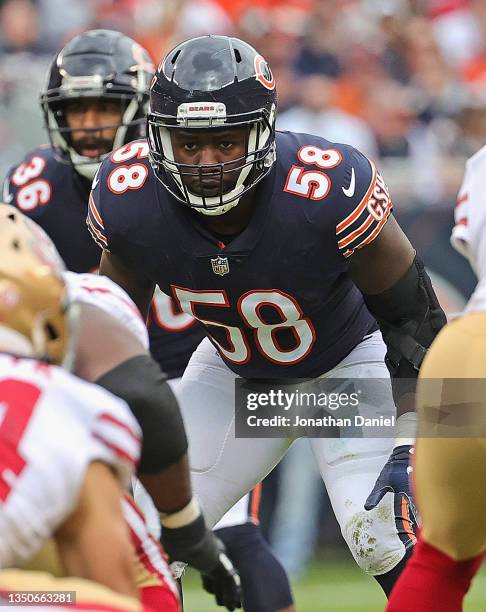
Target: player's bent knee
{"x":451,"y":538}
{"x":373,"y":541}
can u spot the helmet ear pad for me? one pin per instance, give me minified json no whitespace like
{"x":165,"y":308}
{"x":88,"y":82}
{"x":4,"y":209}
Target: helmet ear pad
{"x":210,"y":82}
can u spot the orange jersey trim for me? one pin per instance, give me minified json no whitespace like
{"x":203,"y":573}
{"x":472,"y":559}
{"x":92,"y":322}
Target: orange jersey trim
{"x":256,"y":496}
{"x":94,"y":210}
{"x":406,"y":520}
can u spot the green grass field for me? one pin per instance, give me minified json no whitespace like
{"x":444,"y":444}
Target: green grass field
{"x":330,"y":586}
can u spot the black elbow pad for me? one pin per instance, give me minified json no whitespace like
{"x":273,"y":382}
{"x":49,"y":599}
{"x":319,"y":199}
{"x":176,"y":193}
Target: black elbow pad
{"x":409,"y":316}
{"x":141,"y":383}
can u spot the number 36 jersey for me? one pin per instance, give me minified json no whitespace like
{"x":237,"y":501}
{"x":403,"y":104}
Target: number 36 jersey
{"x":54,"y":196}
{"x":277,"y":301}
{"x":52,"y":426}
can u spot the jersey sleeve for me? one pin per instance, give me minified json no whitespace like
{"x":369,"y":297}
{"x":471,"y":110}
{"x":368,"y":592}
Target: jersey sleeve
{"x":30,"y":184}
{"x":103,"y":293}
{"x":364,"y":204}
{"x":117,"y":194}
{"x":115,"y":436}
{"x":468,"y":234}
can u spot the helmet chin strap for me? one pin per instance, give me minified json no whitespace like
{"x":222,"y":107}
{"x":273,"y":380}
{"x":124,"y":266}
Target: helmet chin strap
{"x":83,"y":166}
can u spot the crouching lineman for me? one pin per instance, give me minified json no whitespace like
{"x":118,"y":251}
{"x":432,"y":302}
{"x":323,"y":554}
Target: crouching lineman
{"x":111,"y":348}
{"x":449,"y":466}
{"x":67,"y":447}
{"x":209,"y":209}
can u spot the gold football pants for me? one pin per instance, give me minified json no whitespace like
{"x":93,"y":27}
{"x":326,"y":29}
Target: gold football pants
{"x":450,"y":472}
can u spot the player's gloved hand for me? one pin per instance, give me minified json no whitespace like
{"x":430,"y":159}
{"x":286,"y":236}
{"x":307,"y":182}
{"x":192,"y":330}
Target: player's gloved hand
{"x":395,"y":478}
{"x":197,"y":546}
{"x":223,"y":581}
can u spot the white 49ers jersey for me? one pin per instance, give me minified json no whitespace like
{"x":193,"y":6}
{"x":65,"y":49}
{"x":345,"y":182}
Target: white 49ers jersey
{"x":103,"y":293}
{"x":52,"y":426}
{"x":469,"y":233}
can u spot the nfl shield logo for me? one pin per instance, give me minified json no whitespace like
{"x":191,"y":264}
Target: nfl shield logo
{"x":220,"y":265}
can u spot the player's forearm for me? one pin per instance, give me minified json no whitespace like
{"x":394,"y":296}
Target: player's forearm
{"x":139,"y":288}
{"x":410,"y":317}
{"x":105,"y":557}
{"x":170,"y":489}
{"x":399,"y":294}
{"x":94,"y":541}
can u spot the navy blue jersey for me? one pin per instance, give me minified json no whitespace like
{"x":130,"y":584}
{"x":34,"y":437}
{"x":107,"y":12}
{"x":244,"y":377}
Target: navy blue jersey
{"x":277,"y":301}
{"x":55,"y":196}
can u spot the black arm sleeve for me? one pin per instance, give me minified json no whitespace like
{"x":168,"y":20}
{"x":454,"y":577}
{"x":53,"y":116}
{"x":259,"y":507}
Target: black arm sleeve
{"x":140,"y":382}
{"x":409,"y":316}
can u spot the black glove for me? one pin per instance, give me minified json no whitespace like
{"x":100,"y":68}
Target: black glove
{"x":223,"y":581}
{"x":395,"y":478}
{"x":201,"y":549}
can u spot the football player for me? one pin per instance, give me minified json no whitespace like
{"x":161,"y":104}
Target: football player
{"x":284,"y":247}
{"x":95,"y":99}
{"x":448,"y":468}
{"x":68,"y":448}
{"x":112,"y":349}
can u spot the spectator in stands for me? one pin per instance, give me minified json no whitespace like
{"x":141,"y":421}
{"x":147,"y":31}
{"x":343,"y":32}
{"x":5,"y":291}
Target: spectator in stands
{"x":316,"y":113}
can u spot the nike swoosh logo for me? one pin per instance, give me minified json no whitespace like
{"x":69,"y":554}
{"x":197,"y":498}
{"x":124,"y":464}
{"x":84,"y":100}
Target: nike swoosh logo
{"x":349,"y":192}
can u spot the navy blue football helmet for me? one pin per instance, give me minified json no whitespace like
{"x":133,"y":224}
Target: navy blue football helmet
{"x":97,"y":64}
{"x":213,"y":82}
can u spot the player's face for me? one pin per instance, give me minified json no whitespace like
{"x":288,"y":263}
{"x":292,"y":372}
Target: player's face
{"x":94,"y":122}
{"x":204,"y":148}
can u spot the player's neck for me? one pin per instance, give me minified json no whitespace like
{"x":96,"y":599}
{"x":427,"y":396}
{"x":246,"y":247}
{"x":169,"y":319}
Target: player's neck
{"x":232,"y":223}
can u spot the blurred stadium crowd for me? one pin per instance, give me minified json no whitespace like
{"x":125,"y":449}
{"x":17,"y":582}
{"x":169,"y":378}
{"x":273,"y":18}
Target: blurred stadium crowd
{"x":403,"y":80}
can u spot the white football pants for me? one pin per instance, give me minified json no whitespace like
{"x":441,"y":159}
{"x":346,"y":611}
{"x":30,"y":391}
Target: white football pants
{"x":225,"y":468}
